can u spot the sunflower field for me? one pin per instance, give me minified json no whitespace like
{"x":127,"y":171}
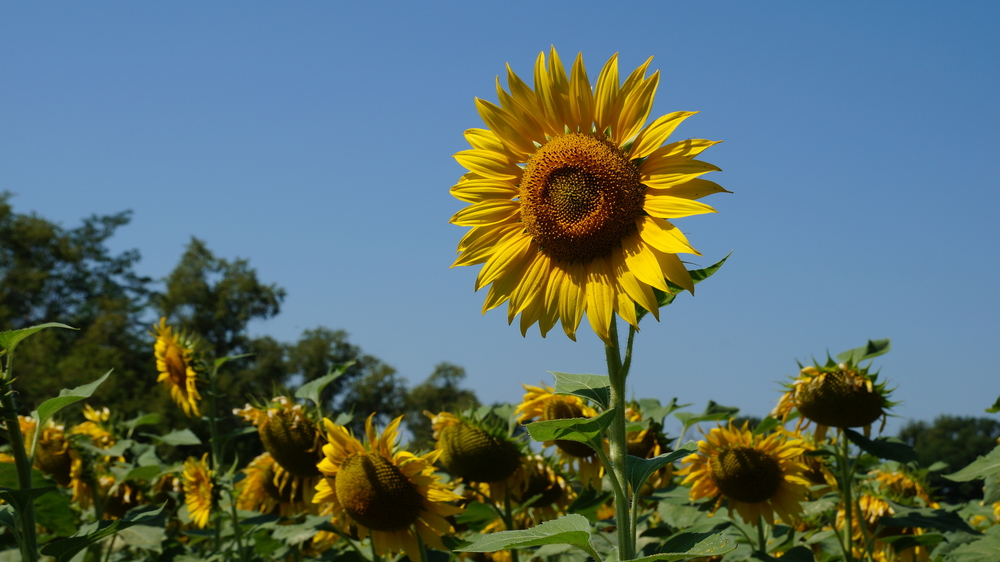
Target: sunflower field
{"x":570,"y":199}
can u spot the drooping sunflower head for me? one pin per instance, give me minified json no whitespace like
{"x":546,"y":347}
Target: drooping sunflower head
{"x":540,"y":403}
{"x":759,"y":476}
{"x":293,"y":439}
{"x":542,"y":479}
{"x":474,"y":449}
{"x":198,"y":490}
{"x":386,"y":492}
{"x":840,"y":395}
{"x":175,"y":361}
{"x":569,"y":192}
{"x":53,"y":455}
{"x":97,"y":427}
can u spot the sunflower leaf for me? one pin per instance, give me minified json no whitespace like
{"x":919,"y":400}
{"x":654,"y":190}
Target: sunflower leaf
{"x":66,"y":397}
{"x":66,"y":549}
{"x":926,"y":518}
{"x":766,"y":425}
{"x":688,"y":545}
{"x":995,"y":407}
{"x":872,"y":349}
{"x":637,"y":470}
{"x":889,"y":448}
{"x":568,"y":529}
{"x":312,"y":389}
{"x":713,"y":412}
{"x":653,"y":410}
{"x":591,"y":387}
{"x":902,"y":542}
{"x":179,"y":437}
{"x":581,"y":430}
{"x":665,"y":298}
{"x":10,"y":339}
{"x":984,"y":466}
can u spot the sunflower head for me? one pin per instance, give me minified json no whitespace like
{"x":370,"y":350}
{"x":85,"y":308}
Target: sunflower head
{"x":126,"y":496}
{"x":757,"y":475}
{"x":384,"y":491}
{"x":569,"y":191}
{"x":175,"y":361}
{"x":474,"y":449}
{"x":542,"y":404}
{"x":53,"y":455}
{"x":198,"y":490}
{"x":293,"y":440}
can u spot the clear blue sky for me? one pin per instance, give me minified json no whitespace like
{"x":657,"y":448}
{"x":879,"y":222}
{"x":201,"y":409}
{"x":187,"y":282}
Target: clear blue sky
{"x":316,"y":140}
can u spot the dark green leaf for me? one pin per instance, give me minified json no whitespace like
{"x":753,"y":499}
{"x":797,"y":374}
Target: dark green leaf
{"x":301,"y":532}
{"x":582,"y":430}
{"x":568,"y":529}
{"x":688,"y":545}
{"x":638,"y":470}
{"x":713,"y":412}
{"x":66,"y":549}
{"x":10,"y":339}
{"x":926,"y":518}
{"x":991,"y":492}
{"x":982,"y":467}
{"x":697,"y":276}
{"x":889,"y":448}
{"x":179,"y":437}
{"x":147,"y":419}
{"x":312,"y":389}
{"x":591,"y":387}
{"x":902,"y":542}
{"x":144,"y":536}
{"x":867,"y":351}
{"x":982,"y":550}
{"x":995,"y":407}
{"x":53,"y":512}
{"x":8,"y":518}
{"x":117,"y":450}
{"x":66,"y":397}
{"x":476,"y":516}
{"x":767,"y":424}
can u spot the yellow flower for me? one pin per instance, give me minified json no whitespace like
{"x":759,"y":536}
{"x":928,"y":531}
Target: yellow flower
{"x":198,"y":490}
{"x":264,"y":490}
{"x":541,"y":404}
{"x":759,"y":476}
{"x":174,"y":361}
{"x":472,"y":450}
{"x":569,"y":195}
{"x":542,"y":480}
{"x":387,"y":493}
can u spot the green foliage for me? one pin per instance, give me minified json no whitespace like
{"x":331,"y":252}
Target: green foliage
{"x":697,"y":276}
{"x":569,"y":529}
{"x":887,"y":448}
{"x":687,"y":545}
{"x":956,"y":440}
{"x":66,"y":397}
{"x":639,"y":470}
{"x":65,"y":550}
{"x":596,"y":388}
{"x":10,"y":339}
{"x":581,"y":430}
{"x":868,"y":351}
{"x":441,"y":392}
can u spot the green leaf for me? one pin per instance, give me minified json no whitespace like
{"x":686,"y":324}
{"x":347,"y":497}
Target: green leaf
{"x":982,"y":550}
{"x":147,"y":419}
{"x":143,"y":473}
{"x":10,"y":339}
{"x":568,"y":529}
{"x":995,"y":407}
{"x":926,"y":518}
{"x":582,"y":430}
{"x":144,"y":536}
{"x":902,"y":542}
{"x":767,"y":424}
{"x":688,"y":545}
{"x":991,"y":492}
{"x":312,"y":389}
{"x":889,"y":448}
{"x":697,"y":276}
{"x":867,"y":351}
{"x":66,"y":397}
{"x":476,"y":516}
{"x":301,"y":532}
{"x":713,"y":412}
{"x":591,"y":387}
{"x":66,"y":549}
{"x":8,"y":518}
{"x":223,"y":360}
{"x":637,"y":470}
{"x":179,"y":437}
{"x":651,"y":408}
{"x":117,"y":450}
{"x":982,"y":467}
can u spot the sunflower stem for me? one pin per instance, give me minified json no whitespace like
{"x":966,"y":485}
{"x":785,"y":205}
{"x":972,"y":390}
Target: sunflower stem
{"x":761,"y":540}
{"x":27,"y":544}
{"x":508,"y":516}
{"x":617,"y":439}
{"x":847,"y":480}
{"x":214,"y":441}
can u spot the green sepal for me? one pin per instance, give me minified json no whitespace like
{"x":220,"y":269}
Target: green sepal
{"x":592,"y":387}
{"x":985,"y":466}
{"x":66,"y":549}
{"x":889,"y":448}
{"x":689,"y":545}
{"x":872,"y":349}
{"x":581,"y":430}
{"x":637,"y":470}
{"x":926,"y":518}
{"x":312,"y":389}
{"x":10,"y":339}
{"x":66,"y":397}
{"x":568,"y":529}
{"x":665,"y":298}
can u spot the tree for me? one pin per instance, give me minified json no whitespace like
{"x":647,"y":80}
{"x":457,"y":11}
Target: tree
{"x":320,"y":349}
{"x":441,"y":392}
{"x":379,"y":392}
{"x":956,"y":440}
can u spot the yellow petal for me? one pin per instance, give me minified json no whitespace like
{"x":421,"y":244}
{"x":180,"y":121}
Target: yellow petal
{"x":638,"y":292}
{"x":483,"y":246}
{"x":691,"y":189}
{"x":625,"y":307}
{"x":489,"y":164}
{"x":472,"y":191}
{"x":606,"y":93}
{"x":581,"y":98}
{"x":663,"y":236}
{"x":490,"y":211}
{"x":484,"y":139}
{"x":506,"y":126}
{"x":572,"y":299}
{"x":600,"y":297}
{"x":524,"y":119}
{"x":530,"y":313}
{"x":667,"y":207}
{"x":636,"y":109}
{"x":662,"y":173}
{"x":531,"y":285}
{"x":688,"y":148}
{"x":650,"y":138}
{"x":674,"y":270}
{"x":641,"y":260}
{"x":505,"y":284}
{"x":507,"y":255}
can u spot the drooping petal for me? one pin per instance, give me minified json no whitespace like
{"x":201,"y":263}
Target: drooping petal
{"x":572,"y":299}
{"x":600,"y":297}
{"x":639,"y":292}
{"x":673,"y":269}
{"x":531,"y":285}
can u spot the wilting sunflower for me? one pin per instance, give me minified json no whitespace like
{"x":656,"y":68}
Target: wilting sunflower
{"x":473,"y":449}
{"x":541,"y":404}
{"x":387,"y":493}
{"x":198,"y":490}
{"x":175,"y":363}
{"x":294,"y":442}
{"x":837,"y":395}
{"x":759,"y":476}
{"x":569,"y":194}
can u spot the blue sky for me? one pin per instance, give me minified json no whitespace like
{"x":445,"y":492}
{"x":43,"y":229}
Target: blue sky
{"x":316,"y":140}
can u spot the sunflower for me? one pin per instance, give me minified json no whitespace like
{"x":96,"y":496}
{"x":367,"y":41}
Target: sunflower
{"x":175,"y":363}
{"x":261,"y":489}
{"x":390,"y":494}
{"x":759,"y":476}
{"x":473,"y":449}
{"x":96,"y":427}
{"x":569,"y":195}
{"x":840,"y":395}
{"x":551,"y":493}
{"x":53,"y":455}
{"x":198,"y":490}
{"x":541,"y":404}
{"x":294,"y":442}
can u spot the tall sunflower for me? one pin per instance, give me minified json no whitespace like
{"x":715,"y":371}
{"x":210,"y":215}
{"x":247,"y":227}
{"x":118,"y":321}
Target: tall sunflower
{"x":759,"y":476}
{"x":569,"y":194}
{"x":390,"y":494}
{"x":198,"y":490}
{"x":542,"y":404}
{"x":175,"y":363}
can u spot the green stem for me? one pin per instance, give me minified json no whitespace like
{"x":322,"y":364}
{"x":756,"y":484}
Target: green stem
{"x":28,"y":545}
{"x":375,"y":556}
{"x":617,"y":439}
{"x":846,"y":482}
{"x":761,"y":540}
{"x":423,"y":547}
{"x":216,"y":461}
{"x":236,"y":523}
{"x":508,"y":516}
